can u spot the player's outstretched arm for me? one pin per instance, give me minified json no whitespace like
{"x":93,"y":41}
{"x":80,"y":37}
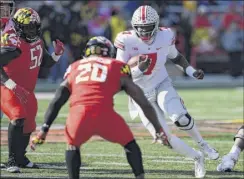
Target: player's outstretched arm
{"x":188,"y":69}
{"x":50,"y":59}
{"x":61,"y":97}
{"x":136,"y":93}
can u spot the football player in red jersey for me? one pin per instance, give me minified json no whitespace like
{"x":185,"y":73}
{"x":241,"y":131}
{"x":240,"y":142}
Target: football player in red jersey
{"x":91,"y":83}
{"x":22,"y":54}
{"x":7,"y":8}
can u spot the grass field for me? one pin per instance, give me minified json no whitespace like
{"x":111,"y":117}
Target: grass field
{"x":105,"y":160}
{"x":210,"y":104}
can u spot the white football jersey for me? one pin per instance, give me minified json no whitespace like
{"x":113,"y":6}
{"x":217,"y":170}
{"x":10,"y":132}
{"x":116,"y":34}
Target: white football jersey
{"x":128,"y":45}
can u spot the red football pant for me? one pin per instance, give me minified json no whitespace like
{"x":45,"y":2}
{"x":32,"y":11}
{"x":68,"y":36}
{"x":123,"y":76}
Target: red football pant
{"x":85,"y":121}
{"x":14,"y":109}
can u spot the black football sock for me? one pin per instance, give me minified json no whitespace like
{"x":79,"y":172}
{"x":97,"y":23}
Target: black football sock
{"x":25,"y":143}
{"x":239,"y":142}
{"x":15,"y":132}
{"x":133,"y":154}
{"x":73,"y":162}
{"x":26,"y":140}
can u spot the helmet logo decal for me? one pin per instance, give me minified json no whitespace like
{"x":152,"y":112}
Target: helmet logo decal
{"x":23,"y":16}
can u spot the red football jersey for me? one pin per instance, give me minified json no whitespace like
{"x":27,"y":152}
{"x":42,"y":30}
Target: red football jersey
{"x":95,"y":80}
{"x":25,"y":68}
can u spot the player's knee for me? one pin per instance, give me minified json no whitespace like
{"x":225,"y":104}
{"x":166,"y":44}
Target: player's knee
{"x":240,"y":133}
{"x":132,"y":146}
{"x":72,"y":147}
{"x":18,"y":122}
{"x":185,"y":122}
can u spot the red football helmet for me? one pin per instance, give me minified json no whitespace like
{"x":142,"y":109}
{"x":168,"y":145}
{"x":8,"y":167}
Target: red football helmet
{"x":7,"y":8}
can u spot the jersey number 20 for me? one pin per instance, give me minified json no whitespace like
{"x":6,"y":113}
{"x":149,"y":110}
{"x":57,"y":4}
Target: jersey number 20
{"x":92,"y":71}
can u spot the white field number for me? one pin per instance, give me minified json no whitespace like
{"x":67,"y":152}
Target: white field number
{"x":37,"y":60}
{"x":91,"y":72}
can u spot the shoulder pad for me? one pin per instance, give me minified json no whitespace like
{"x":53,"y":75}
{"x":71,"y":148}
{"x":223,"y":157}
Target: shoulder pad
{"x":169,"y":33}
{"x":120,"y":39}
{"x":125,"y":70}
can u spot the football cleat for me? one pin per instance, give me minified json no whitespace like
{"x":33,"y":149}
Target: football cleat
{"x":28,"y":164}
{"x":227,"y":163}
{"x":12,"y":166}
{"x":208,"y":151}
{"x":199,"y":166}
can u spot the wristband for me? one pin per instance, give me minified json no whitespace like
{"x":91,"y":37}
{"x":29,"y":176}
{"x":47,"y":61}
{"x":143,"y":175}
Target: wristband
{"x":55,"y":57}
{"x":135,"y":71}
{"x":189,"y":71}
{"x":10,"y":84}
{"x":45,"y":127}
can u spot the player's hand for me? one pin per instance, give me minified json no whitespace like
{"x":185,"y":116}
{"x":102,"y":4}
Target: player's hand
{"x":144,"y":62}
{"x":21,"y":93}
{"x":38,"y":140}
{"x":162,"y":139}
{"x":58,"y":47}
{"x":198,"y":74}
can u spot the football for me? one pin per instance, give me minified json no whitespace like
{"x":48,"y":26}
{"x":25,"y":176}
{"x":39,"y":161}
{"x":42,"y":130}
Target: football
{"x":133,"y":61}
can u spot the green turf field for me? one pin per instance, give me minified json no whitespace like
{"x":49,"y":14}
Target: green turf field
{"x":106,"y":160}
{"x":210,"y":104}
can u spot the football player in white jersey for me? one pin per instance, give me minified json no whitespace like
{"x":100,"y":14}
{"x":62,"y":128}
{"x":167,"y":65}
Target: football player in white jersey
{"x":156,"y":45}
{"x":229,"y":161}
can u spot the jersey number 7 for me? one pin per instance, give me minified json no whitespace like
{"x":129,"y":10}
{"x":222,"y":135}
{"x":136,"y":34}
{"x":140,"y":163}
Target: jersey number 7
{"x":92,"y":71}
{"x":153,"y":57}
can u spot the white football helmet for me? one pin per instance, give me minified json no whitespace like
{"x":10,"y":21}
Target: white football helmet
{"x":145,"y":21}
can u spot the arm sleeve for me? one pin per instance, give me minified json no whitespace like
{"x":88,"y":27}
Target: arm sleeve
{"x":173,"y":52}
{"x":8,"y":54}
{"x":48,"y":60}
{"x":61,"y":97}
{"x":3,"y":76}
{"x":122,"y":56}
{"x":122,"y":52}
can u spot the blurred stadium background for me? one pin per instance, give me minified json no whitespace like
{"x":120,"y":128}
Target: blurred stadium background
{"x":209,"y":34}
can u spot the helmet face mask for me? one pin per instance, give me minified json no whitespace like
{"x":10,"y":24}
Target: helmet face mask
{"x":27,"y":24}
{"x":145,"y":21}
{"x":30,"y":32}
{"x":145,"y":32}
{"x":99,"y":46}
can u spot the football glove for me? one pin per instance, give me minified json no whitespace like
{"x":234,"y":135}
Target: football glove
{"x":18,"y":90}
{"x":198,"y":74}
{"x":162,"y":139}
{"x":144,"y":62}
{"x":58,"y":47}
{"x":40,"y":137}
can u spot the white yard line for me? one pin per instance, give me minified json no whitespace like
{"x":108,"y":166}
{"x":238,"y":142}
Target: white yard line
{"x":110,"y":163}
{"x":163,"y":158}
